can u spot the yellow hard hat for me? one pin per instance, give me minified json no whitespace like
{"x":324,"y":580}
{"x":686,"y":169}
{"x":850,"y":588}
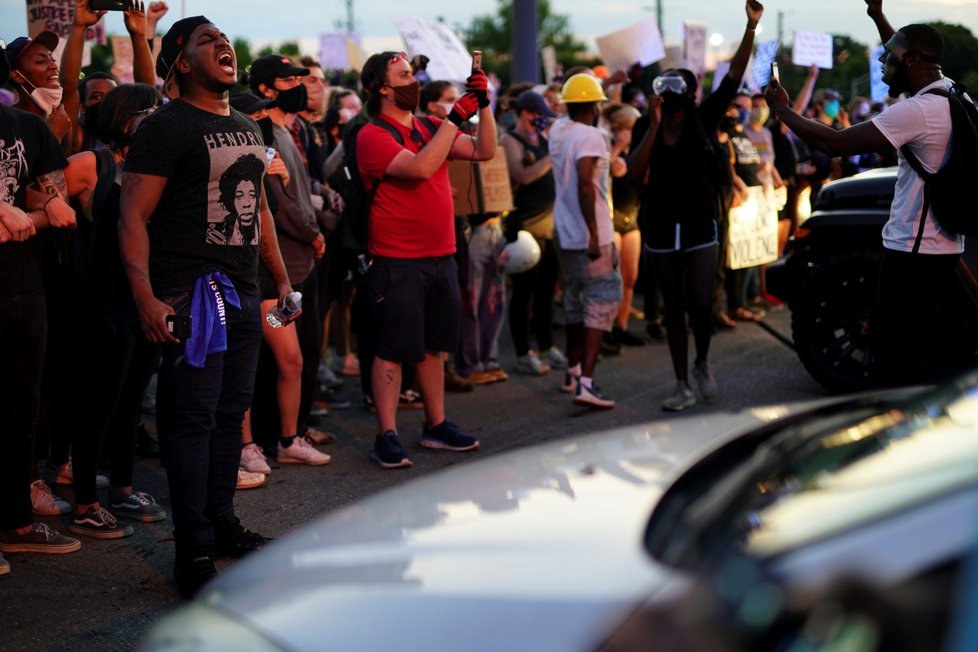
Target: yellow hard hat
{"x":582,"y":87}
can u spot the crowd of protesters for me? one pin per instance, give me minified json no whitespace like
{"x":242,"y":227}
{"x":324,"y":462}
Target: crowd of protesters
{"x":173,"y":230}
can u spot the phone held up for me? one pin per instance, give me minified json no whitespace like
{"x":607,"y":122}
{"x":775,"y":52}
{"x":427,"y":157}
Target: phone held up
{"x":774,"y":72}
{"x":108,"y":5}
{"x":179,"y":326}
{"x":476,"y":59}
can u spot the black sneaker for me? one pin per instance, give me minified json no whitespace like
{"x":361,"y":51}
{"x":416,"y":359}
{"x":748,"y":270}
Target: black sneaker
{"x":388,"y":451}
{"x":193,"y":572}
{"x":624,"y":337}
{"x":98,"y":523}
{"x":231,"y":539}
{"x":447,"y":436}
{"x":610,"y":345}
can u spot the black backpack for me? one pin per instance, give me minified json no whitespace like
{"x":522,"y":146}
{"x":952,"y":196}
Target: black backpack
{"x":950,"y":191}
{"x":352,"y":228}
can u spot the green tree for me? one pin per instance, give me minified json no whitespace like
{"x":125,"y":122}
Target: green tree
{"x":493,"y":35}
{"x":288,"y":49}
{"x":960,"y":53}
{"x":242,"y":51}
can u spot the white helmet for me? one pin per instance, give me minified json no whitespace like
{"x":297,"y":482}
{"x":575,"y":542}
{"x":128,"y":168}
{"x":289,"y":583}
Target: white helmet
{"x":523,"y":253}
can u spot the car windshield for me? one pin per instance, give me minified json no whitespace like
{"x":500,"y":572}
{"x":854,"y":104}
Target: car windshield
{"x":823,"y":476}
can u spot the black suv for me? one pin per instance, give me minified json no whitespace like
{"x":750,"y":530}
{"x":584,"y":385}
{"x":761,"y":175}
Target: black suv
{"x":829,"y":274}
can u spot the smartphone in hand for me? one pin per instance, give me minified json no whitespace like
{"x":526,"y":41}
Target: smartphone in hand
{"x":775,"y":75}
{"x":476,"y":59}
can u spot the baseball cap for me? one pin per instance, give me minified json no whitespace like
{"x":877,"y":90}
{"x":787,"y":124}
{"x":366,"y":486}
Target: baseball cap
{"x":4,"y":66}
{"x":826,"y":94}
{"x":266,"y":69}
{"x":530,"y":100}
{"x":174,"y":41}
{"x":15,"y":49}
{"x":249,"y":103}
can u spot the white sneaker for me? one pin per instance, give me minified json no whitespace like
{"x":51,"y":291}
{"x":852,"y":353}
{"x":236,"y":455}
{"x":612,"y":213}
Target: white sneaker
{"x":682,"y":398}
{"x":44,"y":502}
{"x":253,"y":460}
{"x":531,"y":365}
{"x":591,"y":397}
{"x":249,"y":480}
{"x":66,"y":475}
{"x":301,"y":452}
{"x":554,"y":357}
{"x":707,"y":384}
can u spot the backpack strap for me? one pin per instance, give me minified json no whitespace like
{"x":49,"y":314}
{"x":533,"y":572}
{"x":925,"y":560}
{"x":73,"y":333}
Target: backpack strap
{"x":925,"y":176}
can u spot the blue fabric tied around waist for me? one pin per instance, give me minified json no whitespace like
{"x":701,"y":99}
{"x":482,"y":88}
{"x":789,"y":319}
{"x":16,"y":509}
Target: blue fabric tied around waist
{"x":213,"y":292}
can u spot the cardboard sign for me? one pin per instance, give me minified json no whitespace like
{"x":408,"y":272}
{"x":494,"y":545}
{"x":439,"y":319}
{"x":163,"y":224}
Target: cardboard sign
{"x":641,"y":43}
{"x":449,"y":59}
{"x":548,"y":56}
{"x":877,"y":88}
{"x":765,"y":54}
{"x":56,"y":16}
{"x":482,"y":187}
{"x":333,"y":51}
{"x":694,"y":47}
{"x":753,"y":230}
{"x":812,"y":47}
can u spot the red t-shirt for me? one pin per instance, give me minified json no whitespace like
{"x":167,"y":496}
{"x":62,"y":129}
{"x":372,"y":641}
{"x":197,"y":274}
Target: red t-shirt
{"x":409,"y":218}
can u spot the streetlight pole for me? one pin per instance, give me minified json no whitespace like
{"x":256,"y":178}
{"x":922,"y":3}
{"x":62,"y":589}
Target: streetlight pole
{"x":349,"y":16}
{"x":525,"y":66}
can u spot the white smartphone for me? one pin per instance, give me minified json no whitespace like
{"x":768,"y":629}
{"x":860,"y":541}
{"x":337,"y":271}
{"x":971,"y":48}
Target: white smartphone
{"x":476,"y":59}
{"x":774,"y":72}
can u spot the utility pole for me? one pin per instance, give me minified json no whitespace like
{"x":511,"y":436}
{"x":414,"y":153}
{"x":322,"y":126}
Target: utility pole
{"x":349,"y":16}
{"x":658,"y":16}
{"x":525,"y":65}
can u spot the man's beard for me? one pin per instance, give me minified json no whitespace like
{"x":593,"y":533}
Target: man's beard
{"x":898,"y":83}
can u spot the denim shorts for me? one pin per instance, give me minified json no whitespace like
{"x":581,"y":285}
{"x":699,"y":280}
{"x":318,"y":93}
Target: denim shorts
{"x":592,"y":288}
{"x":414,"y":305}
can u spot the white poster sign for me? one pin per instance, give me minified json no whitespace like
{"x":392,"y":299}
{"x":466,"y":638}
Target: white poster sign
{"x":548,"y":56}
{"x":57,"y":16}
{"x":122,"y":59}
{"x":812,"y":47}
{"x":448,"y":57}
{"x":694,"y":47}
{"x":877,"y":88}
{"x":641,"y":43}
{"x":765,"y":54}
{"x":332,"y":50}
{"x":753,"y":230}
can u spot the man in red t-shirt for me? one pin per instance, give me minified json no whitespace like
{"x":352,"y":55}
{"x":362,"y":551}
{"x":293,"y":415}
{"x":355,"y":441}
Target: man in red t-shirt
{"x":412,"y":282}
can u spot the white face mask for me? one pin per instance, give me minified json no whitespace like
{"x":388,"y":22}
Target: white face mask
{"x":446,"y":106}
{"x":46,"y":99}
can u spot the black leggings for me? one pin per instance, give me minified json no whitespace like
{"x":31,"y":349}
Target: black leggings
{"x":534,"y":287}
{"x":686,"y":280}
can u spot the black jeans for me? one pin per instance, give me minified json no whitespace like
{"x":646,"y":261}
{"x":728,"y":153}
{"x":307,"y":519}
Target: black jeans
{"x":23,"y":332}
{"x":199,"y":414}
{"x":533,"y":294}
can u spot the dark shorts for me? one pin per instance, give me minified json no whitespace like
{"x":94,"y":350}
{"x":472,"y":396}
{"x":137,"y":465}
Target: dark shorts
{"x":625,"y":221}
{"x":414,"y":303}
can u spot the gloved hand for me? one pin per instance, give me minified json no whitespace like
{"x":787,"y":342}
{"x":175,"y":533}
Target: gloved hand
{"x":478,"y":84}
{"x":464,"y":108}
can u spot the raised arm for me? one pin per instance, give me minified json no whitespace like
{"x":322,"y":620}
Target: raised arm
{"x":519,"y":173}
{"x":874,"y":9}
{"x":142,"y":54}
{"x":483,"y":147}
{"x":638,"y":160}
{"x":421,"y":165}
{"x":738,"y":64}
{"x":71,"y":57}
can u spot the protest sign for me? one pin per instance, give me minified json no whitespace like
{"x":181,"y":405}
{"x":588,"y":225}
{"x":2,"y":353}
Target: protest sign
{"x":878,"y":90}
{"x":812,"y":47}
{"x":753,"y":230}
{"x":449,"y":59}
{"x":58,"y":16}
{"x":763,"y":57}
{"x":694,"y":47}
{"x":332,"y":50}
{"x":548,"y":56}
{"x":356,"y":55}
{"x":641,"y":43}
{"x":122,"y":59}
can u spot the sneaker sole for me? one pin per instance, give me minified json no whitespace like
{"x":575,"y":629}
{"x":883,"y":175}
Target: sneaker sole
{"x":442,"y":446}
{"x":42,"y":548}
{"x":119,"y":533}
{"x":285,"y":460}
{"x":142,"y":518}
{"x":245,"y":487}
{"x":265,"y":471}
{"x":678,"y":408}
{"x":37,"y":512}
{"x":403,"y":464}
{"x":602,"y":405}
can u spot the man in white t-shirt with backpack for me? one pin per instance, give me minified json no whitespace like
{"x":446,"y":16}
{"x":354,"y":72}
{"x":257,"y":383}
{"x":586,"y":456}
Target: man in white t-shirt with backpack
{"x":585,"y":234}
{"x":919,"y":259}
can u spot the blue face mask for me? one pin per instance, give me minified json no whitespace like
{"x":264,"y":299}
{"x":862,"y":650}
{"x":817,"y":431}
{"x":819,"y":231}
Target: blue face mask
{"x":541,"y":123}
{"x":743,"y":115}
{"x":831,"y":109}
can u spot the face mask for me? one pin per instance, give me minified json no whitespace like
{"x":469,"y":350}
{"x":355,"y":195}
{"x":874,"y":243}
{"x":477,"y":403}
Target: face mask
{"x":742,"y":115}
{"x":673,"y":103}
{"x":89,"y":119}
{"x":759,"y":115}
{"x":541,"y":123}
{"x":46,"y":99}
{"x":445,"y":107}
{"x":293,"y":100}
{"x":265,"y":124}
{"x":831,"y":109}
{"x":407,"y":97}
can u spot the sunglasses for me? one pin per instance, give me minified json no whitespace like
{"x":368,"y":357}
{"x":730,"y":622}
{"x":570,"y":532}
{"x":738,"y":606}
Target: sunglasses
{"x":397,"y":56}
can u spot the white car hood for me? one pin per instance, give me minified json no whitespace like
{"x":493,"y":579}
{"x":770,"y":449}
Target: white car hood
{"x":537,"y":549}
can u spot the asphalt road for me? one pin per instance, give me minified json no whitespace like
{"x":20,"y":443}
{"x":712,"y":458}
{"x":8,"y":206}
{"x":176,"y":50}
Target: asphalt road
{"x":105,"y":596}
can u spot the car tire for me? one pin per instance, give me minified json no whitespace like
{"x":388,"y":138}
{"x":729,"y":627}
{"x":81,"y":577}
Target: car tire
{"x":830,"y":321}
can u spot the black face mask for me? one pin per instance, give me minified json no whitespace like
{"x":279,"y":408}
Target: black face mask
{"x":673,"y":103}
{"x":407,"y":97}
{"x":293,"y":100}
{"x":729,"y":123}
{"x":265,"y":124}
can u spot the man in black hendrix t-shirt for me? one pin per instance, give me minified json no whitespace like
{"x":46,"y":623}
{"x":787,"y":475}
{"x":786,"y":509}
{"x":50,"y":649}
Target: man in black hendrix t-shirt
{"x":28,"y":153}
{"x":192,"y":205}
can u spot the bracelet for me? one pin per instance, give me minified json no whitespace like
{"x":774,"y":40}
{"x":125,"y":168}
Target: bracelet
{"x":45,"y":207}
